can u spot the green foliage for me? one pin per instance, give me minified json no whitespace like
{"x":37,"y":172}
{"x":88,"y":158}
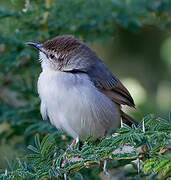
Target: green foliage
{"x":47,"y":160}
{"x":157,"y":164}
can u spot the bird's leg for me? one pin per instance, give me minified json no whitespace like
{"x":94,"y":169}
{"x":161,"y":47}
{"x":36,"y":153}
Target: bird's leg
{"x":65,"y":159}
{"x":74,"y":142}
{"x":105,"y":161}
{"x":121,"y":122}
{"x":138,"y":165}
{"x":65,"y":177}
{"x":104,"y":168}
{"x":138,"y":160}
{"x":105,"y":134}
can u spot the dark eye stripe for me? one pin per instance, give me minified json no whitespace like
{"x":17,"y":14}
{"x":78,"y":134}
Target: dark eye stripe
{"x":51,"y":56}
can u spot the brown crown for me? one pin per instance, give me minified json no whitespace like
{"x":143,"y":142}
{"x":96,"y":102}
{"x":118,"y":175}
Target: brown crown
{"x":63,"y":44}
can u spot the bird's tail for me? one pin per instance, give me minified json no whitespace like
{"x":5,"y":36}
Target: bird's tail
{"x":127,"y":119}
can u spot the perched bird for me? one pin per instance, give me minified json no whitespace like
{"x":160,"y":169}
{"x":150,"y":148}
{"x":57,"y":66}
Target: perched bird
{"x":78,"y":92}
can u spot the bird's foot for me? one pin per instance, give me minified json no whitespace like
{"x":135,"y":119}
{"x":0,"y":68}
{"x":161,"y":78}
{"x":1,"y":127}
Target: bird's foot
{"x":74,"y":142}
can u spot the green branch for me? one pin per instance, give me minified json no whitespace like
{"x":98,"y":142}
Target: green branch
{"x":125,"y":146}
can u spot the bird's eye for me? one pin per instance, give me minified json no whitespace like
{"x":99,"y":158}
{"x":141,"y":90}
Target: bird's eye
{"x":51,"y":56}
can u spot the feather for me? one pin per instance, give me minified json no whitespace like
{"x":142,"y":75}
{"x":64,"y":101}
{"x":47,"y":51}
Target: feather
{"x":110,"y":85}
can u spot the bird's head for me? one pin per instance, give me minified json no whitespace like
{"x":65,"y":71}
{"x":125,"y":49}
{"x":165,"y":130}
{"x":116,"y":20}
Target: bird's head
{"x":64,"y":53}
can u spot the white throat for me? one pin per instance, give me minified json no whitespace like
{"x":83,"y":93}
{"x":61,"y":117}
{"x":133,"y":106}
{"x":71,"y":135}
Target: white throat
{"x":47,"y":63}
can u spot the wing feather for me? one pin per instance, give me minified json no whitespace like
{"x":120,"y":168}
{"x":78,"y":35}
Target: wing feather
{"x":110,"y":85}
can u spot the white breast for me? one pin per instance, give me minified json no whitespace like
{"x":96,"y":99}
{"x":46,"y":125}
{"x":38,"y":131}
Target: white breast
{"x":75,"y":105}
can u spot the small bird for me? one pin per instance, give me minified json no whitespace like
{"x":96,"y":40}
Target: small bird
{"x":78,"y":92}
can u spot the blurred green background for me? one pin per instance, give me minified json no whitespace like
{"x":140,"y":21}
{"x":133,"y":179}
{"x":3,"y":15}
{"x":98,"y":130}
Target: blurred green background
{"x":132,"y":37}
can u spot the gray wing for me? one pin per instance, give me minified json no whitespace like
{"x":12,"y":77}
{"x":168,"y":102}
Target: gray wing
{"x":109,"y":84}
{"x":112,"y":87}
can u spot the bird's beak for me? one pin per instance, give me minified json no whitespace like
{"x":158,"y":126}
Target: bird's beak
{"x":38,"y":46}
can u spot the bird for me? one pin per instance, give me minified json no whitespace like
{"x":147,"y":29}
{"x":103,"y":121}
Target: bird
{"x":78,"y":92}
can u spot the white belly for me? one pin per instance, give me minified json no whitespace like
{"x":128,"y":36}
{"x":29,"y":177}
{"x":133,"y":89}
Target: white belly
{"x":75,"y":105}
